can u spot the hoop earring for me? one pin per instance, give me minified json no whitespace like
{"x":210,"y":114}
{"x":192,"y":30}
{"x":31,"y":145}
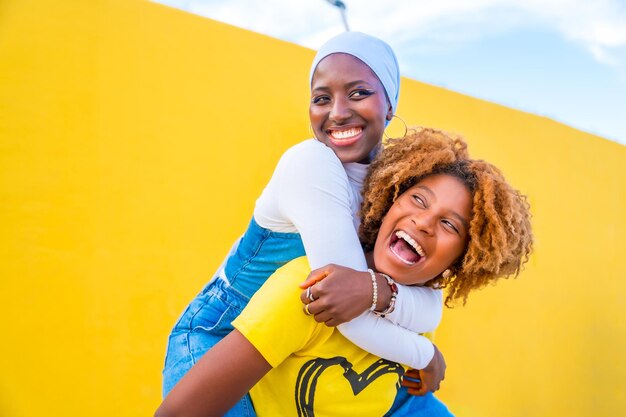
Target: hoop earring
{"x":406,"y":129}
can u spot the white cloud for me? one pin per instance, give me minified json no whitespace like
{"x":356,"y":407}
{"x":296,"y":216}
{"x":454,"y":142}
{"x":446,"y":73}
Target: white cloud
{"x":425,"y":26}
{"x":598,"y":25}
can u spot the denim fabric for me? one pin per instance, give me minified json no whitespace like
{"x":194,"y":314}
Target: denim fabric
{"x":259,"y":254}
{"x":204,"y":323}
{"x":208,"y":317}
{"x":406,"y":404}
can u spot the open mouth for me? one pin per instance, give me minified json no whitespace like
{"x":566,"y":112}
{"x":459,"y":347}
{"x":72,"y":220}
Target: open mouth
{"x":344,"y":137}
{"x":406,"y":248}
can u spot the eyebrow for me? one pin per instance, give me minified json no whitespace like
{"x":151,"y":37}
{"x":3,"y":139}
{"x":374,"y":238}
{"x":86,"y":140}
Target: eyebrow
{"x":453,"y":213}
{"x":347,"y":85}
{"x":353,"y":83}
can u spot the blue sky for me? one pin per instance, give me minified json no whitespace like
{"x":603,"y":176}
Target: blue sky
{"x":564,"y":59}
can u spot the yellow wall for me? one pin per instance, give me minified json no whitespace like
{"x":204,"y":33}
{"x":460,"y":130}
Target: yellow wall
{"x":133,"y":141}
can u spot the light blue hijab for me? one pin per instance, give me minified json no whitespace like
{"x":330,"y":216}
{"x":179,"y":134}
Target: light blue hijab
{"x":375,"y":53}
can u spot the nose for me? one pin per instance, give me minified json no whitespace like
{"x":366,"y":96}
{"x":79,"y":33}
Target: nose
{"x":340,"y":111}
{"x":424,"y":222}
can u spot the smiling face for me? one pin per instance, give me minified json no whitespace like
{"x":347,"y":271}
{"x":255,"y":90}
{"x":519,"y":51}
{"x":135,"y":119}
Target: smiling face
{"x":425,"y":231}
{"x":348,"y":107}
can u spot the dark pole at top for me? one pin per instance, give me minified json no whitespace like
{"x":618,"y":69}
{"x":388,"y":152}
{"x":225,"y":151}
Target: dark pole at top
{"x":342,"y":9}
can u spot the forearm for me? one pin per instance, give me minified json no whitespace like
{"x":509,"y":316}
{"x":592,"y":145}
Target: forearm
{"x":382,"y":338}
{"x":219,"y":379}
{"x":418,"y":309}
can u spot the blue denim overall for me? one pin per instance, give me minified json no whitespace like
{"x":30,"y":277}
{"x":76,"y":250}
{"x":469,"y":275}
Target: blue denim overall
{"x":208,"y":317}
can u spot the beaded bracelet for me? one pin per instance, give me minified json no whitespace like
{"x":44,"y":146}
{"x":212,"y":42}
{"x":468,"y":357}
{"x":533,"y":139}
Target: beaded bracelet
{"x":374,"y":290}
{"x":394,"y":296}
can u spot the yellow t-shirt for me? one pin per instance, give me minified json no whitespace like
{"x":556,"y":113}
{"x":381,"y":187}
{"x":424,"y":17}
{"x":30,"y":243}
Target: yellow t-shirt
{"x":316,"y":371}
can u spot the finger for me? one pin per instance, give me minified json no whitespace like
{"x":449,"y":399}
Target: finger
{"x":304,"y":298}
{"x":306,"y":311}
{"x":307,"y":296}
{"x":322,"y":317}
{"x":310,"y":295}
{"x":426,"y":387}
{"x":422,"y":387}
{"x":332,"y":322}
{"x":411,"y":384}
{"x":417,"y":392}
{"x":315,"y":308}
{"x":412,"y":373}
{"x":315,"y":276}
{"x":411,"y":379}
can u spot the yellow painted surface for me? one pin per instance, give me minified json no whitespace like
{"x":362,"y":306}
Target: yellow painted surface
{"x":134,"y":139}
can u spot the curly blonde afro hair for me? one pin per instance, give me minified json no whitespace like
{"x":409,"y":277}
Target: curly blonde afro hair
{"x":500,"y":236}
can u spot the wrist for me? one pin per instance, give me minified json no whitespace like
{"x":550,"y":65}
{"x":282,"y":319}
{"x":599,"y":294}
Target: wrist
{"x":374,"y":281}
{"x":387,"y":295}
{"x":384,"y":293}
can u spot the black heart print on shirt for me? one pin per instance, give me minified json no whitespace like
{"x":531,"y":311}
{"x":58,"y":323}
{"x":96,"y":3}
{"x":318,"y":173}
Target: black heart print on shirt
{"x":306,"y":383}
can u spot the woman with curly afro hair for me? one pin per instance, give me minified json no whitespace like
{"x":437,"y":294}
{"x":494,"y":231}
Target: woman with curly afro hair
{"x":431,"y":216}
{"x":500,"y":237}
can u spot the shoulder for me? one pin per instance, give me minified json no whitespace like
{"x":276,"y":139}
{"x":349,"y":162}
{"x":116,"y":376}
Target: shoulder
{"x":309,"y":166}
{"x":310,"y":151}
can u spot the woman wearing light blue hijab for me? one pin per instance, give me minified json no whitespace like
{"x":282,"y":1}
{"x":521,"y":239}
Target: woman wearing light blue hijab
{"x":309,"y":208}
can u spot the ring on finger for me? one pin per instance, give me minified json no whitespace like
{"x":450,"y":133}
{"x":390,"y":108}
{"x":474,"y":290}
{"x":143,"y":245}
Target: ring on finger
{"x":306,"y":310}
{"x":309,"y":294}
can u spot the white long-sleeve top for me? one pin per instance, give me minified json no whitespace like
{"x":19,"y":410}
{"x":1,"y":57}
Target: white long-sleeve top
{"x":312,"y":193}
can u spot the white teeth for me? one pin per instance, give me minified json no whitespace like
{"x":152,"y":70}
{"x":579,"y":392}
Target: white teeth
{"x":401,"y":234}
{"x":343,"y":134}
